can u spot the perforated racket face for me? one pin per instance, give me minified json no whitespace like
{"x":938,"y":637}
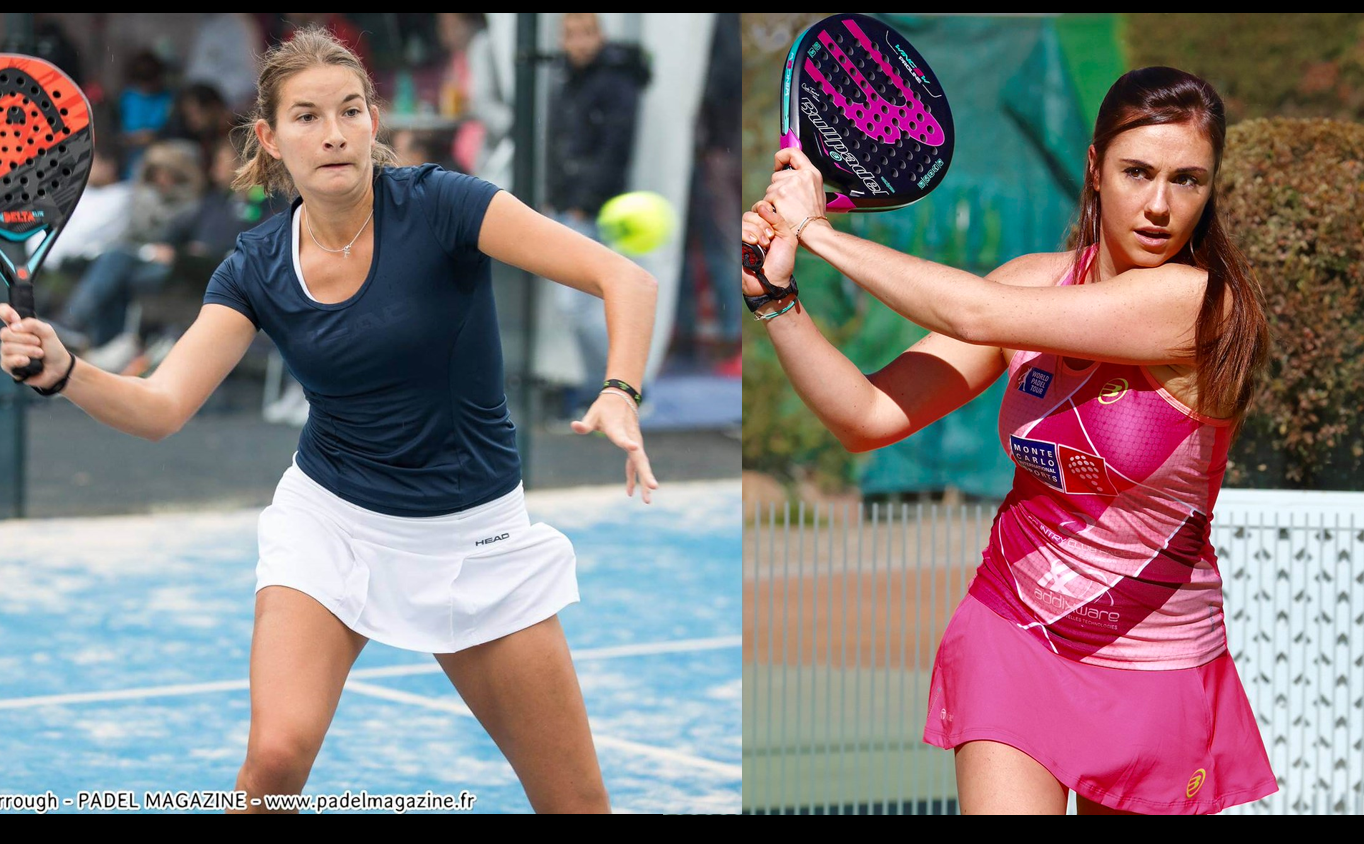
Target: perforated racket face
{"x":46,"y":148}
{"x":862,"y":103}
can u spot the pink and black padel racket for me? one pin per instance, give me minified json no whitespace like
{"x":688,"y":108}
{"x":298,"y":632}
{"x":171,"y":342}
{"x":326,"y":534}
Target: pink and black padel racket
{"x":47,"y":145}
{"x":863,"y":105}
{"x":860,"y":101}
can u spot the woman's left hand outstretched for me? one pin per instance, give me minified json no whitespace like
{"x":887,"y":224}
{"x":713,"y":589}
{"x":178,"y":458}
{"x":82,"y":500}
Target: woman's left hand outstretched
{"x":611,"y":415}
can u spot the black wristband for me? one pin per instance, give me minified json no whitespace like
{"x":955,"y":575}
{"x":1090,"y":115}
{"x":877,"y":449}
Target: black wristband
{"x":60,"y":385}
{"x":753,"y":258}
{"x":623,"y":387}
{"x":755,"y":302}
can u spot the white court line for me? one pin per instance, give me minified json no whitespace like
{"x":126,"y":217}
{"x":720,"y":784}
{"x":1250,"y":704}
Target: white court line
{"x":650,"y":648}
{"x":125,"y":694}
{"x":661,"y":753}
{"x":679,"y":646}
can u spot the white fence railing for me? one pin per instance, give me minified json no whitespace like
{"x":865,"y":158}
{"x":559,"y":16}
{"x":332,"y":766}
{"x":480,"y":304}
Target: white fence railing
{"x":844,"y":607}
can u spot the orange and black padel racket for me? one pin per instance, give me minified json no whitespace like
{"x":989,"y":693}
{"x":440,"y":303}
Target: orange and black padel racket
{"x":46,"y":147}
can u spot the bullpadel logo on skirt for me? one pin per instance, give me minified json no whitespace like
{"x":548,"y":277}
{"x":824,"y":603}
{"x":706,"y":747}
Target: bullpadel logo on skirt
{"x":1195,"y":782}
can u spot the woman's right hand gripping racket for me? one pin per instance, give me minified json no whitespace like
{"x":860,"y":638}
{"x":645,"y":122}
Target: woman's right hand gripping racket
{"x":46,"y":148}
{"x":865,"y":108}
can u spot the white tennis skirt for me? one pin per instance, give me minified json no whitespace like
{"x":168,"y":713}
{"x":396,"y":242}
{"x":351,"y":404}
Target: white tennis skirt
{"x":435,"y":584}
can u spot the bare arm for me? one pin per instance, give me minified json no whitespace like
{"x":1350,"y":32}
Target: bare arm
{"x":152,"y":408}
{"x":1143,"y":316}
{"x":931,"y":379}
{"x":517,"y":235}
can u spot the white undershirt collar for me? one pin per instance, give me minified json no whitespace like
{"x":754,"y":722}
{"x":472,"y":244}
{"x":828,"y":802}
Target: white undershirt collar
{"x":298,"y":267}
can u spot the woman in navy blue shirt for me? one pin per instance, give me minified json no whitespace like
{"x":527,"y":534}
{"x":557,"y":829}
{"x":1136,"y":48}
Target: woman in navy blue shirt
{"x":402,"y":519}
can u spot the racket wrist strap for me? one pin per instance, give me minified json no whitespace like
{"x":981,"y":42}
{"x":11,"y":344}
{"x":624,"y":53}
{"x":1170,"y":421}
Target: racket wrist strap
{"x":60,"y":385}
{"x":774,"y":294}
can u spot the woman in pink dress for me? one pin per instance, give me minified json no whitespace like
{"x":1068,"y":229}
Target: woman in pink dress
{"x":1090,"y":654}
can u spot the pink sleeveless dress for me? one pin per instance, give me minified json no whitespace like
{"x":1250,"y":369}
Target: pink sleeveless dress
{"x":1092,"y":636}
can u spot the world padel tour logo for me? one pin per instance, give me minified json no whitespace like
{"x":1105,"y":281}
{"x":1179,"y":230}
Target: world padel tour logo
{"x":1062,"y":467}
{"x":1035,"y":382}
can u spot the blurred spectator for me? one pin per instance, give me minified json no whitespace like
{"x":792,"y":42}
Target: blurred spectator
{"x":469,"y":88}
{"x":210,"y":232}
{"x":223,"y":56}
{"x":51,"y":42}
{"x":416,"y":147}
{"x":202,"y":117}
{"x":144,"y":106}
{"x":415,"y":65}
{"x":714,"y":214}
{"x":390,"y":37}
{"x":590,"y":141}
{"x":168,"y":185}
{"x":100,"y":218}
{"x":490,"y":103}
{"x":592,"y":118}
{"x":347,"y":32}
{"x":457,"y":30}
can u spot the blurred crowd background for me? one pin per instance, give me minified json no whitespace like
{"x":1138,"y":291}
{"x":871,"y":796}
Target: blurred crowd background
{"x":566,"y":110}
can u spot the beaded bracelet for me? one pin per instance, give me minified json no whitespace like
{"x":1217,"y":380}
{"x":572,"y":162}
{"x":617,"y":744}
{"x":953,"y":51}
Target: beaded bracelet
{"x":800,"y":227}
{"x":775,"y":314}
{"x":628,"y":399}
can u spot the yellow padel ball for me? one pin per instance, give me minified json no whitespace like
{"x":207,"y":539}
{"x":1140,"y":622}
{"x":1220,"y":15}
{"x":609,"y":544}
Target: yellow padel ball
{"x":636,"y":223}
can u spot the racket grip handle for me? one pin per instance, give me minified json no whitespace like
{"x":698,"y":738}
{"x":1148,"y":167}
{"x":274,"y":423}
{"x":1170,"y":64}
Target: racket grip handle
{"x":21,"y":299}
{"x":753,"y":255}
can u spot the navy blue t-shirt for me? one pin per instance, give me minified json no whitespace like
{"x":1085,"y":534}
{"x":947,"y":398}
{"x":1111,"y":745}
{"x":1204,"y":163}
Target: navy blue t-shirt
{"x":408,"y":413}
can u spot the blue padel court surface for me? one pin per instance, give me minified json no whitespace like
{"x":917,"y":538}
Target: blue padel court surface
{"x":124,"y":647}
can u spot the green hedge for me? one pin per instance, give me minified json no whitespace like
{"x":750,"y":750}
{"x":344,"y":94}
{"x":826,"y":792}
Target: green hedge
{"x":1293,"y":195}
{"x":1272,"y":65}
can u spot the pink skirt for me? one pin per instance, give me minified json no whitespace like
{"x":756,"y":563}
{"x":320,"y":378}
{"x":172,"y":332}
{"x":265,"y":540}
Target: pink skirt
{"x":1157,"y":742}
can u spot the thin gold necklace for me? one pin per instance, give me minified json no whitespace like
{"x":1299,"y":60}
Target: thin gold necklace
{"x":344,"y":250}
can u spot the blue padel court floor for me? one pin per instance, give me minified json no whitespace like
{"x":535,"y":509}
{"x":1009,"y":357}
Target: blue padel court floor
{"x":124,"y":646}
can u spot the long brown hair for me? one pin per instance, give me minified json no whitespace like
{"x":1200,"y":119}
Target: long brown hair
{"x":1230,"y":351}
{"x":310,"y":47}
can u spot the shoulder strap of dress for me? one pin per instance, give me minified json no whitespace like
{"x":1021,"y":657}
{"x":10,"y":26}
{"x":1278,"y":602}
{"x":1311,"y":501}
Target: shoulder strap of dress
{"x":1069,"y":277}
{"x":1085,"y":263}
